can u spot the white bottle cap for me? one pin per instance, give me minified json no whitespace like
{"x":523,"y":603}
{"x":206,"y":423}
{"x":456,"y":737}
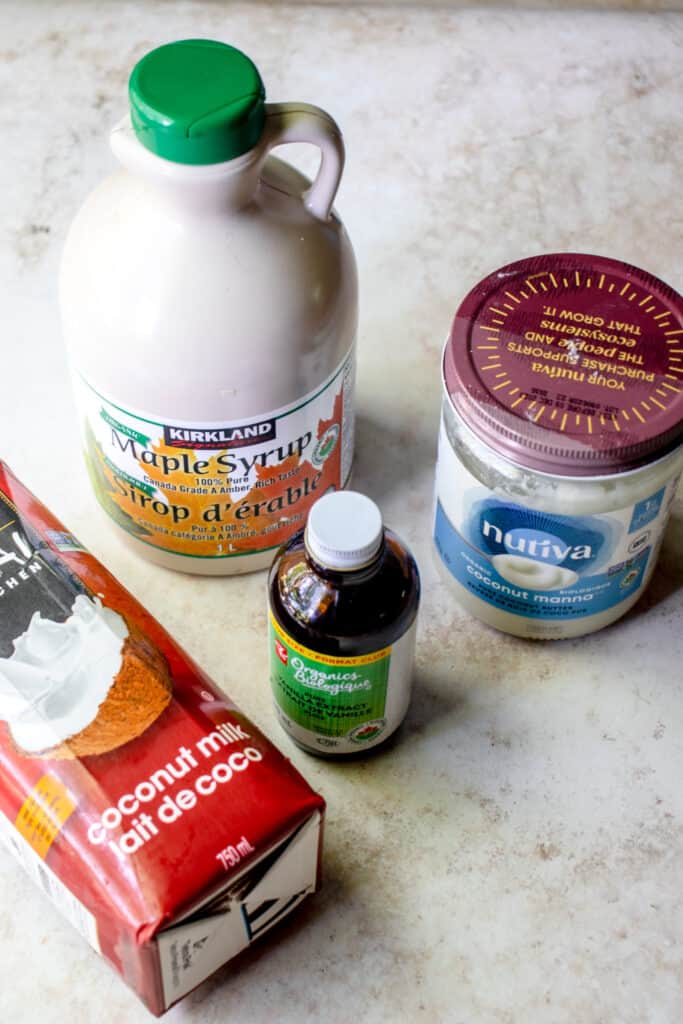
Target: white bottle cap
{"x":344,"y":530}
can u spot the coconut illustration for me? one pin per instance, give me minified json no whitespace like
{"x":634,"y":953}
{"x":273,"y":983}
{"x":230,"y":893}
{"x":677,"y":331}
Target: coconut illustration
{"x":81,"y":687}
{"x":529,"y":572}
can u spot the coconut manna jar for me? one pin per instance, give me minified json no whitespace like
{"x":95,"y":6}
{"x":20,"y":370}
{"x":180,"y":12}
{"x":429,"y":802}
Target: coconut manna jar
{"x":560,"y":442}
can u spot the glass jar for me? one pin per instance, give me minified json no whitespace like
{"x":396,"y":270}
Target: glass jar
{"x":552,"y":529}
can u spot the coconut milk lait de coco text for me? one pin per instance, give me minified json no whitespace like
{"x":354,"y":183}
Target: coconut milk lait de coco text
{"x":344,"y":597}
{"x":560,"y":444}
{"x":209,"y":301}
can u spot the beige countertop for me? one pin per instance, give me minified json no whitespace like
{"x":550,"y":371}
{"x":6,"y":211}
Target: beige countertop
{"x":515,"y":856}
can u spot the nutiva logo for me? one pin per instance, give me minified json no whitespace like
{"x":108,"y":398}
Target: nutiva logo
{"x":537,"y":544}
{"x":200,"y":438}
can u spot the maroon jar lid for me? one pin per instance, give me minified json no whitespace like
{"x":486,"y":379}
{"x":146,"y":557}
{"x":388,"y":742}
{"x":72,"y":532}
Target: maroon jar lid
{"x":570,"y":364}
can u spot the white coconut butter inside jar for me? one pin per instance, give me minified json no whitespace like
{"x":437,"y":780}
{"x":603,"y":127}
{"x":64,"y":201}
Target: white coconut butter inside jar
{"x":560,"y":442}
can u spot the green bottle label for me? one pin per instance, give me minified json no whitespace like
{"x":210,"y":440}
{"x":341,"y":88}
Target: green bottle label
{"x":339,"y":704}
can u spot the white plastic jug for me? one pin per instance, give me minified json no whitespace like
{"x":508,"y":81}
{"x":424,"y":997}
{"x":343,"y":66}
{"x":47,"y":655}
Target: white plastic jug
{"x":209,"y":306}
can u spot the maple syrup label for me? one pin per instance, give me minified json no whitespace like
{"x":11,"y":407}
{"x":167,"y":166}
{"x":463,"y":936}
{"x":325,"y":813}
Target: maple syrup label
{"x":218,"y":490}
{"x":340,"y":704}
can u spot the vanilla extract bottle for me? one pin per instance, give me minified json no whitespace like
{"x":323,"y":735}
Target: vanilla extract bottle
{"x":343,"y":596}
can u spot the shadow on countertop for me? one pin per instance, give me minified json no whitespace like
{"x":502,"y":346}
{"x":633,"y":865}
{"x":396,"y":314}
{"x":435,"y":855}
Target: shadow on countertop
{"x":388,"y":460}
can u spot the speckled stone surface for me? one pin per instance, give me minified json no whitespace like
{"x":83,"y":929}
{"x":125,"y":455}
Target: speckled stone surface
{"x":542,"y":5}
{"x":516,"y":855}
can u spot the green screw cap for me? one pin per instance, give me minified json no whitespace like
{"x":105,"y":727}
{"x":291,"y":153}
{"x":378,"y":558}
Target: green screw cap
{"x":197,"y":101}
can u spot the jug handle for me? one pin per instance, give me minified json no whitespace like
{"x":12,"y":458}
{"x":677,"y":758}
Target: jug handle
{"x":302,"y":122}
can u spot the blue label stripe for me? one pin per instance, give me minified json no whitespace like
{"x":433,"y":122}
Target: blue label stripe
{"x":590,"y":595}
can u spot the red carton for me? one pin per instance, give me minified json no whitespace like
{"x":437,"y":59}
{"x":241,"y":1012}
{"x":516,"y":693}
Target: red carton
{"x":165,"y":826}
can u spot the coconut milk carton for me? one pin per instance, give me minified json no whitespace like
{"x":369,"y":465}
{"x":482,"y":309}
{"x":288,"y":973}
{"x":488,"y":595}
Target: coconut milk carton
{"x":165,"y":826}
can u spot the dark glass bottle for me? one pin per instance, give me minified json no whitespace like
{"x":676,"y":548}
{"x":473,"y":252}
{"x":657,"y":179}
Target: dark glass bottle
{"x":343,"y":596}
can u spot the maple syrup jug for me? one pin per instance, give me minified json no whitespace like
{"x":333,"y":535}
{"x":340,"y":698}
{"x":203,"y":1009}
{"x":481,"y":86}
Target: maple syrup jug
{"x":209,"y":306}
